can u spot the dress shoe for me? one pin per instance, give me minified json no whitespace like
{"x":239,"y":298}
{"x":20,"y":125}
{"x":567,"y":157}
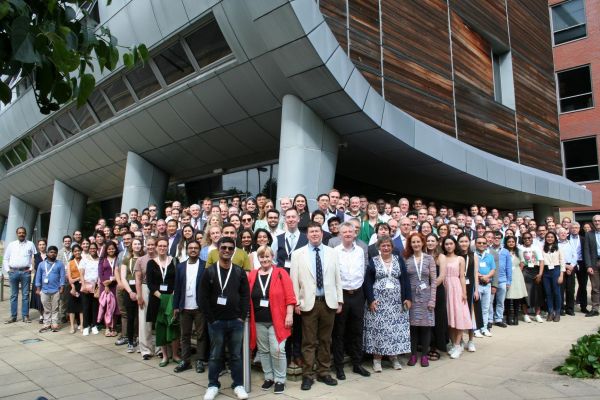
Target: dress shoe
{"x":267,"y":384}
{"x":299,"y":361}
{"x":557,"y":318}
{"x":182,"y":366}
{"x":563,"y":312}
{"x":570,"y":312}
{"x":327,"y":379}
{"x":550,"y":317}
{"x":358,"y":369}
{"x":584,"y":310}
{"x":11,"y":320}
{"x":199,"y":366}
{"x":593,"y":313}
{"x":339,"y":373}
{"x":412,"y":361}
{"x":306,"y":383}
{"x":501,"y":324}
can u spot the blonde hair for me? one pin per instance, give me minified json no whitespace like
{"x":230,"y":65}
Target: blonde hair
{"x":262,"y":250}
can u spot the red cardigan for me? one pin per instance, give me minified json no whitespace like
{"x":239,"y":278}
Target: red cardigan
{"x":281,"y":294}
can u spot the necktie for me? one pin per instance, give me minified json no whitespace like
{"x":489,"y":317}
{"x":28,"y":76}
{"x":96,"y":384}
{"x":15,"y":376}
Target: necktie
{"x":319,"y":269}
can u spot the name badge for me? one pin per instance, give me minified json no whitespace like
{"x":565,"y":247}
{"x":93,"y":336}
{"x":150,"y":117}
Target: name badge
{"x":163,"y":288}
{"x":132,"y":281}
{"x":550,"y":267}
{"x":530,"y":265}
{"x":423,"y":286}
{"x":389,"y":285}
{"x":264,"y":303}
{"x":482,"y":264}
{"x":222,"y":301}
{"x":112,"y":278}
{"x":288,"y":264}
{"x":45,"y":280}
{"x":467,"y":281}
{"x":189,"y":294}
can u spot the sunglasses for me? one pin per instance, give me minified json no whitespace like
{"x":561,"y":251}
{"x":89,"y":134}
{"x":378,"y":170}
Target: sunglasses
{"x":227,"y":248}
{"x":246,"y":219}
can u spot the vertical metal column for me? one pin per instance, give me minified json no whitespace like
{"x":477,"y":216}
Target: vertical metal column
{"x":246,"y":356}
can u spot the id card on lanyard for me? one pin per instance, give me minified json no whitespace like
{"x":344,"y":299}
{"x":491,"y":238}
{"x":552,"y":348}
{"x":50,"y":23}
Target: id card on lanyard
{"x":112,"y":268}
{"x":222,"y":299}
{"x":163,"y":271}
{"x":419,"y":268}
{"x":48,"y":271}
{"x":131,"y":281}
{"x":264,"y":302}
{"x":467,"y":280}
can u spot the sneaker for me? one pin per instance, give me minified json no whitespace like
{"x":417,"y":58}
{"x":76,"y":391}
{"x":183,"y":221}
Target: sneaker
{"x":455,"y":353}
{"x":538,"y":318}
{"x":240,"y":392}
{"x":86,"y":331}
{"x":471,"y":346}
{"x":487,"y":333}
{"x":377,"y":365}
{"x":211,"y":393}
{"x":95,"y":330}
{"x":449,"y":347}
{"x":396,"y":363}
{"x":527,"y":319}
{"x":121,"y":341}
{"x":279,"y":388}
{"x":477,"y":334}
{"x":130,"y":348}
{"x":267,"y":384}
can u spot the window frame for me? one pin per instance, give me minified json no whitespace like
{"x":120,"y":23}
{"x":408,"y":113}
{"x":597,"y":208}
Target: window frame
{"x":565,"y":168}
{"x":571,"y":27}
{"x":591,"y":92}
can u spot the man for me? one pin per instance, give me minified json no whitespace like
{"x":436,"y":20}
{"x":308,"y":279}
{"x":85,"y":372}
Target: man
{"x":206,"y":205}
{"x":566,"y":223}
{"x":235,"y":202}
{"x":186,"y":299}
{"x":444,"y":216}
{"x":284,"y":204}
{"x":414,"y":223}
{"x":323,"y":206}
{"x":396,"y":213}
{"x":225,"y":301}
{"x":49,"y":284}
{"x":393,"y":224}
{"x":404,"y":205}
{"x":273,"y":227}
{"x":591,"y":256}
{"x":239,"y":256}
{"x":474,"y":211}
{"x":417,"y":204}
{"x":483,"y":211}
{"x":348,"y":325}
{"x":354,"y":208}
{"x":133,"y":215}
{"x":568,"y":287}
{"x":224,"y":213}
{"x":64,"y":256}
{"x":124,"y":247}
{"x":153,"y":212}
{"x":77,"y":237}
{"x":334,"y":200}
{"x":17,"y":263}
{"x":317,"y":284}
{"x":487,"y":268}
{"x":364,"y":202}
{"x":333,"y":224}
{"x":334,"y":242}
{"x":195,"y":220}
{"x":499,"y":281}
{"x":261,"y":200}
{"x":540,"y":236}
{"x":174,"y":236}
{"x":146,"y":344}
{"x":161,"y":228}
{"x":405,"y":229}
{"x":576,"y":241}
{"x":383,"y":217}
{"x":232,"y":211}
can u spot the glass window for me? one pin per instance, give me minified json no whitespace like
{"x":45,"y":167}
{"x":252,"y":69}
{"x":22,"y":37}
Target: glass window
{"x":22,"y":152}
{"x":31,"y":147}
{"x":143,"y":81}
{"x":12,"y":156}
{"x":236,"y":181}
{"x":83,"y":117}
{"x":99,"y":105}
{"x":5,"y":163}
{"x":173,"y":63}
{"x":581,"y":159}
{"x":66,"y":124}
{"x":119,"y":95}
{"x":53,"y":134}
{"x":40,"y":139}
{"x":575,"y":89}
{"x":568,"y":21}
{"x":208,"y":44}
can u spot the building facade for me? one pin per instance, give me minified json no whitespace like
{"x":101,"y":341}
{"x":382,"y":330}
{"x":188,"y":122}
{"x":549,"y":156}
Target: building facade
{"x":576,"y":39}
{"x":445,"y":99}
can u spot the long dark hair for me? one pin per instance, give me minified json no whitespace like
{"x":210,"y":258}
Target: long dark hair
{"x":239,"y":240}
{"x":449,"y":237}
{"x":255,"y":245}
{"x":459,"y":251}
{"x":550,"y":248}
{"x":506,"y":238}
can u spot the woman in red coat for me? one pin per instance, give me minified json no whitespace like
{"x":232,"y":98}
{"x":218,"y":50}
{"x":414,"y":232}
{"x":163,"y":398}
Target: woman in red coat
{"x":272,"y":302}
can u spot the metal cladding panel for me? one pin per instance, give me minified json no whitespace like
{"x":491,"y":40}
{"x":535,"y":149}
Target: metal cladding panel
{"x":219,"y":102}
{"x":225,"y":143}
{"x":245,"y":85}
{"x":170,"y":15}
{"x":165,"y":116}
{"x":192,"y":112}
{"x":149,"y":129}
{"x":130,"y":134}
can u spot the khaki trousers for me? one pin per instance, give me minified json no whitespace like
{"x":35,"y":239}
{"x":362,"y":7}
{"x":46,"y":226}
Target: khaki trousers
{"x":317,"y":327}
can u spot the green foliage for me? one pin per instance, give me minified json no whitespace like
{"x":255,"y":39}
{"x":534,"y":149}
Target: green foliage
{"x":56,"y":47}
{"x":584,"y":358}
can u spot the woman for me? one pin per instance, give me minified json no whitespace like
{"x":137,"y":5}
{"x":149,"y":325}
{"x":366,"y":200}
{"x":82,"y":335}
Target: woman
{"x":128,"y":283}
{"x":472,"y":284}
{"x":198,"y":236}
{"x":371,"y":218}
{"x":235,"y":221}
{"x":440,"y":331}
{"x":389,"y":297}
{"x":554,"y":267}
{"x":74,"y":299}
{"x":531,"y":260}
{"x":459,"y":318}
{"x":272,"y":303}
{"x":425,"y":228}
{"x":261,"y":220}
{"x":187,"y":235}
{"x":244,"y":240}
{"x":89,"y":302}
{"x":442,"y":231}
{"x":160,"y":278}
{"x":36,"y":301}
{"x":108,"y":285}
{"x":517,"y":292}
{"x":300,"y":203}
{"x":209,"y":242}
{"x":422,"y":274}
{"x":587,"y":227}
{"x":85,"y":249}
{"x":251,"y":207}
{"x":319,"y":217}
{"x":262,"y":237}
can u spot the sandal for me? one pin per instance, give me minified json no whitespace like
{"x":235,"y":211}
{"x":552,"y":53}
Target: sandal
{"x":163,"y":363}
{"x":433,"y":355}
{"x":72,"y":330}
{"x":45,"y":329}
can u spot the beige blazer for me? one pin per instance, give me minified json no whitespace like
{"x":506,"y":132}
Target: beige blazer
{"x":305,"y":283}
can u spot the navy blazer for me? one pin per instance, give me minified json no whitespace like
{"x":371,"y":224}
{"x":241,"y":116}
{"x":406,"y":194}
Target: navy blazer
{"x":173,"y":249}
{"x":370,"y":281}
{"x":282,"y":251}
{"x":398,"y":244}
{"x":180,"y":285}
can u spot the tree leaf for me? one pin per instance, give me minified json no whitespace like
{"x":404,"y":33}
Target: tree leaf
{"x":143,"y":52}
{"x":5,"y":93}
{"x":20,"y":5}
{"x":22,"y":41}
{"x":86,"y":86}
{"x":62,"y":91}
{"x":4,"y":9}
{"x":70,"y":13}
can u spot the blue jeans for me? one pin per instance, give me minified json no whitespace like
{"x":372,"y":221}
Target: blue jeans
{"x":219,"y":331}
{"x":24,"y":279}
{"x":500,"y":297}
{"x":485,"y":295}
{"x":552,"y":289}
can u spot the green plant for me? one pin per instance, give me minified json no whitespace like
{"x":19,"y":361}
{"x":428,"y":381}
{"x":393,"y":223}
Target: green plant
{"x":584,"y":358}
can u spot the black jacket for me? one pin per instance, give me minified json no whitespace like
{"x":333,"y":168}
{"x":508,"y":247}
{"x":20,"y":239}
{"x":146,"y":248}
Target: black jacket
{"x":237,"y":293}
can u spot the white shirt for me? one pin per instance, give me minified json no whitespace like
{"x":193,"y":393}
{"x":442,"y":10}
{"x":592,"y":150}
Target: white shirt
{"x":352,"y":266}
{"x":384,"y":217}
{"x":191,"y":273}
{"x":90,"y":266}
{"x":18,"y":255}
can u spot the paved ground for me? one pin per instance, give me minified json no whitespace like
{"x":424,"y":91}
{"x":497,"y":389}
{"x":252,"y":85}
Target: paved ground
{"x":516,"y":363}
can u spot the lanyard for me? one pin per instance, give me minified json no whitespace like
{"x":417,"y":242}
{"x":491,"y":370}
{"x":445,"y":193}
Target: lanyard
{"x":263,"y":289}
{"x":46,"y":267}
{"x":112,"y":265}
{"x":391,"y":267}
{"x":163,"y":271}
{"x":419,"y":268}
{"x":223,"y":286}
{"x":76,"y":263}
{"x":130,"y":266}
{"x":467,"y":266}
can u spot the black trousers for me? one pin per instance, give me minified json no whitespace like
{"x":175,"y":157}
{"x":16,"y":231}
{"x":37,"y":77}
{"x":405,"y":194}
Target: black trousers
{"x":132,"y":314}
{"x":582,"y":281}
{"x":422,"y":335}
{"x":348,"y":329}
{"x":190,"y":320}
{"x":89,"y":304}
{"x":293,"y":346}
{"x":567,"y":290}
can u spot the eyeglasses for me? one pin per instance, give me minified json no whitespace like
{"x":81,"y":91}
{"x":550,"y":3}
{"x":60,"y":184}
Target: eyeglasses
{"x":246,"y":219}
{"x":227,"y":248}
{"x":152,"y":210}
{"x":481,"y":243}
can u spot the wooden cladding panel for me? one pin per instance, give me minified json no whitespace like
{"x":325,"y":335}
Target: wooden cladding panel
{"x":484,"y":123}
{"x":334,"y":12}
{"x":365,"y":50}
{"x":472,"y":57}
{"x":488,"y":17}
{"x":373,"y":77}
{"x":539,"y":147}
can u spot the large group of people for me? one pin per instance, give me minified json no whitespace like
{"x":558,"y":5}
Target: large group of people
{"x":351,"y":278}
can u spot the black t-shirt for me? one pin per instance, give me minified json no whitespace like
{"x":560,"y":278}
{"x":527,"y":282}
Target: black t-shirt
{"x":261,"y":314}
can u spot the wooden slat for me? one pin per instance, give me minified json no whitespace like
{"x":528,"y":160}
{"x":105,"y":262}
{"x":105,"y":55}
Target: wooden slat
{"x":485,"y":16}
